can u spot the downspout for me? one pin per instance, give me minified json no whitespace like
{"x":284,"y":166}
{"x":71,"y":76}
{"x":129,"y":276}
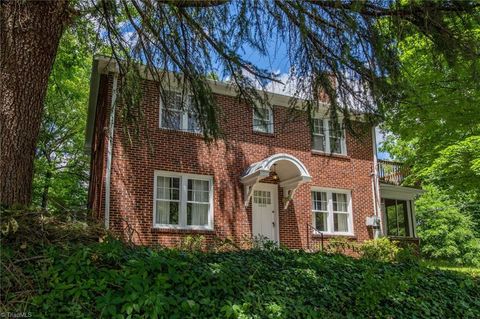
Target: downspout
{"x":111,"y":127}
{"x":377,"y":232}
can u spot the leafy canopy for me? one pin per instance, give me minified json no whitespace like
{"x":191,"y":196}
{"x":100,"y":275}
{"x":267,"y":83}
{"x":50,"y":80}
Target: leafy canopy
{"x":358,"y":42}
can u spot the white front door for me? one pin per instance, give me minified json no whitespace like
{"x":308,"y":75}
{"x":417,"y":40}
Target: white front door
{"x":265,"y":211}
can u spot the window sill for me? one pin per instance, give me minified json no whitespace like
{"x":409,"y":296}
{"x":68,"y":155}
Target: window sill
{"x":405,"y":238}
{"x":264,"y":134}
{"x":334,"y":155}
{"x":171,"y":130}
{"x":333,"y":235}
{"x":182,"y":230}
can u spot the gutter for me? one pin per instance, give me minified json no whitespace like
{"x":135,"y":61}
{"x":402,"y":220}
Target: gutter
{"x":376,"y":187}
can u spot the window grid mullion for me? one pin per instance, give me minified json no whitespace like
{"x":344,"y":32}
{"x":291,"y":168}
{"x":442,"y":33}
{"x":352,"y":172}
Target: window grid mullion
{"x":330,"y":212}
{"x":326,"y":128}
{"x":182,"y":214}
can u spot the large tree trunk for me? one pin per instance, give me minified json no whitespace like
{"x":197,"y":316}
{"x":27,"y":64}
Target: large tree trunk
{"x":29,"y":36}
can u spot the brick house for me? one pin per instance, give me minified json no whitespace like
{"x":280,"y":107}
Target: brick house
{"x":268,"y":177}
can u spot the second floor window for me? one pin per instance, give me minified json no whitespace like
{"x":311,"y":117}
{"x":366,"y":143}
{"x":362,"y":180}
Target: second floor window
{"x":177,"y":113}
{"x":263,"y":120}
{"x":327,"y":137}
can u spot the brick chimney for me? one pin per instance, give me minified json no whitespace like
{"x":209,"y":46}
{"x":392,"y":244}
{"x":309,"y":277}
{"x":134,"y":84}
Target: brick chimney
{"x":323,"y":96}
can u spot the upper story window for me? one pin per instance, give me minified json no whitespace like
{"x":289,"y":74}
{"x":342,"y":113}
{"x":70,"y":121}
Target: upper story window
{"x":263,"y":120}
{"x":177,"y":113}
{"x":327,"y":137}
{"x":183,"y":201}
{"x":332,"y":212}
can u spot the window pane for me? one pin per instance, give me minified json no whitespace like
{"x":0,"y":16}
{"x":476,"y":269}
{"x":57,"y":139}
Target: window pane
{"x":340,"y":203}
{"x":167,"y":213}
{"x":171,"y":119}
{"x":262,"y":114}
{"x":391,"y":214}
{"x":318,"y":126}
{"x":172,"y":101}
{"x":262,"y":198}
{"x":197,"y":214}
{"x":319,"y":201}
{"x":198,"y":190}
{"x":262,"y":120}
{"x":193,"y":125}
{"x":318,"y":143}
{"x":402,"y":218}
{"x":321,"y":221}
{"x":340,"y":222}
{"x":168,"y":188}
{"x":335,"y":145}
{"x":336,"y":138}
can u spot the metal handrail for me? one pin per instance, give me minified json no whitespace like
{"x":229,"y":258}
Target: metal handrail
{"x":392,"y":172}
{"x":316,"y":230}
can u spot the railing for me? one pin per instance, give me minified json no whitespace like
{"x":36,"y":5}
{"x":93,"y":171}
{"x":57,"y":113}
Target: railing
{"x":310,"y":234}
{"x":392,"y":172}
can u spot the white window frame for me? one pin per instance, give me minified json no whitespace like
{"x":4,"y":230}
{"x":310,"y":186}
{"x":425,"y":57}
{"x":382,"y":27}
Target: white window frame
{"x":330,"y":222}
{"x":184,"y":113}
{"x":326,"y":133}
{"x":183,"y":200}
{"x":410,"y":216}
{"x":270,"y":127}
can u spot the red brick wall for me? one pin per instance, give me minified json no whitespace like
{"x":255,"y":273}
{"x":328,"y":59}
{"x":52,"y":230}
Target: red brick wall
{"x":136,"y":159}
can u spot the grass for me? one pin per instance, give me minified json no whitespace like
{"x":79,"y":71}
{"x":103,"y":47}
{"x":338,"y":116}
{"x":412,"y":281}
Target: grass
{"x":447,"y":265}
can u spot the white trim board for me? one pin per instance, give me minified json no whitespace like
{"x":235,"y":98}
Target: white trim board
{"x":399,"y":192}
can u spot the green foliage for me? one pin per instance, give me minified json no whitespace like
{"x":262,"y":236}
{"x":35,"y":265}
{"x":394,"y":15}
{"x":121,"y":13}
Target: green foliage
{"x":114,"y":280}
{"x":457,"y":168}
{"x":435,"y":125}
{"x":340,"y":245}
{"x":61,"y":165}
{"x":192,"y":243}
{"x":381,"y":249}
{"x":445,"y":229}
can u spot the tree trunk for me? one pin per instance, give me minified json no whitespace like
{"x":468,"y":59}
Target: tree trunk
{"x":29,"y":35}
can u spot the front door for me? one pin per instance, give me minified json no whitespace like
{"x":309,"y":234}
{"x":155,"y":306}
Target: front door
{"x":265,"y":211}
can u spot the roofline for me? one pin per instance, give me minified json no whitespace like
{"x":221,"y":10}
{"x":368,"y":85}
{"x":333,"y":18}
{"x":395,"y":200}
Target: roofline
{"x":104,"y":65}
{"x":403,"y":192}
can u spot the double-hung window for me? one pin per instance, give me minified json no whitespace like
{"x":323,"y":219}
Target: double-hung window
{"x":328,"y":137}
{"x":183,"y":201}
{"x":331,"y":210}
{"x":263,"y":120}
{"x":177,"y":112}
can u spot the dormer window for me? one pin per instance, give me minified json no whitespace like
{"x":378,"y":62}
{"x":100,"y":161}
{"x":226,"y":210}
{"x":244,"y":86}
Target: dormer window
{"x":177,"y":113}
{"x":327,"y":137}
{"x":263,"y":120}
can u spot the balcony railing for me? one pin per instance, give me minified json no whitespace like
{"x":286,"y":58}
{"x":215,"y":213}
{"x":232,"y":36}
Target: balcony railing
{"x":393,"y":173}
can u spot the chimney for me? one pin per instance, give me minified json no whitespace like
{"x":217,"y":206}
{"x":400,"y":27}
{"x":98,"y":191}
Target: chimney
{"x":322,"y":95}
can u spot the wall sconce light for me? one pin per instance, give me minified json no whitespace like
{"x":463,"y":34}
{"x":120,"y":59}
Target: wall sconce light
{"x":274,"y":173}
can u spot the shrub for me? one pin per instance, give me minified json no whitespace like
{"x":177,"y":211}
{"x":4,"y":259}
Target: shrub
{"x":340,"y":245}
{"x":381,"y":249}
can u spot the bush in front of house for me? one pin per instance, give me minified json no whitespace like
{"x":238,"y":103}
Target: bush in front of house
{"x":380,"y":249}
{"x":114,"y":280}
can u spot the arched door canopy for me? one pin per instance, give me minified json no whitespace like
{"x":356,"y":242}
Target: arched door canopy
{"x":290,"y":170}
